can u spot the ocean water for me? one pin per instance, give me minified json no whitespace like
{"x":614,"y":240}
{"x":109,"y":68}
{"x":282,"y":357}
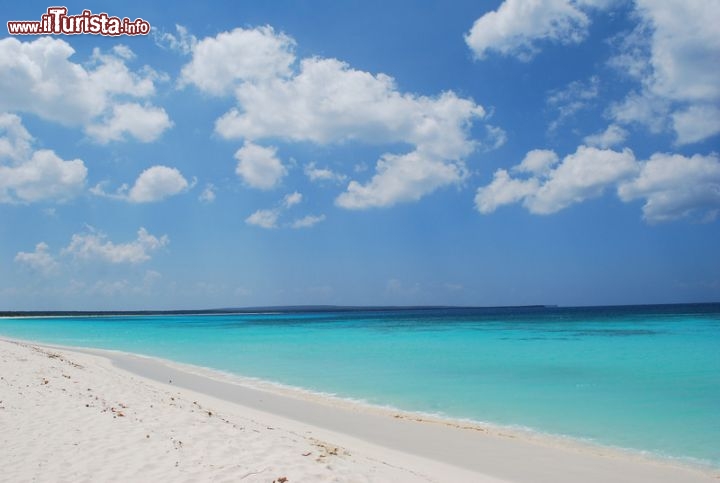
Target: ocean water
{"x":644,"y":378}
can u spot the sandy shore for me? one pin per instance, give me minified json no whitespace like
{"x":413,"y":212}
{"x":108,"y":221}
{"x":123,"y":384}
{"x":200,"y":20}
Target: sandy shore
{"x":87,"y":415}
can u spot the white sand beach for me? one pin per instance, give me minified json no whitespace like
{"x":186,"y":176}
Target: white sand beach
{"x":87,"y":415}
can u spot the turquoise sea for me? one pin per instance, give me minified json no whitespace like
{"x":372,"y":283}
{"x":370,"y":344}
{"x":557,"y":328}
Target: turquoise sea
{"x":645,"y":378}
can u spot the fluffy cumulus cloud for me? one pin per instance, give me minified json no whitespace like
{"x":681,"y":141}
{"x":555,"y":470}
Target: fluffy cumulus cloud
{"x":675,"y":186}
{"x":328,"y":101}
{"x":696,"y":123}
{"x":553,"y":184}
{"x":39,"y":260}
{"x":580,"y":176}
{"x":144,"y":123}
{"x":504,"y":190}
{"x":613,"y":135}
{"x":154,"y":184}
{"x":538,"y":162}
{"x":15,"y":140}
{"x":685,"y":47}
{"x":405,"y":177}
{"x":325,"y":101}
{"x":264,"y":218}
{"x":240,"y":55}
{"x":672,"y":186}
{"x":642,"y":108}
{"x":518,"y":26}
{"x":157,"y":183}
{"x":679,"y":82}
{"x":94,"y":245}
{"x":259,"y":166}
{"x":28,"y":176}
{"x":38,"y":77}
{"x":45,"y":176}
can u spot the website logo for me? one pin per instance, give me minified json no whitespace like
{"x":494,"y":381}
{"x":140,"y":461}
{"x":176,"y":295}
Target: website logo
{"x":57,"y":22}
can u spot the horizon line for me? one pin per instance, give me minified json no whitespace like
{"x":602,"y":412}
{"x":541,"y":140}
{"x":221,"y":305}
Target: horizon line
{"x":321,"y":308}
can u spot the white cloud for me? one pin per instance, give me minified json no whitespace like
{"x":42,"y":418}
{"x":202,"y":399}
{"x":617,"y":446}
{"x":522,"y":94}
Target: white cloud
{"x":643,"y":108}
{"x":537,"y":161}
{"x":495,"y":137}
{"x":16,"y":141}
{"x":29,"y":176}
{"x":576,"y":91}
{"x":259,"y":166}
{"x":45,"y":176}
{"x":576,"y":96}
{"x":685,"y":48}
{"x":329,"y":102}
{"x":307,"y":221}
{"x":504,"y":190}
{"x":157,"y":183}
{"x":94,"y":245}
{"x":39,"y":260}
{"x":677,"y":70}
{"x":696,"y":123}
{"x":123,"y":51}
{"x":112,"y":77}
{"x":38,"y":77}
{"x":579,"y":176}
{"x":218,"y":63}
{"x":322,"y":174}
{"x":326,"y":101}
{"x":264,"y":218}
{"x":401,"y":178}
{"x":612,"y":136}
{"x":292,"y":199}
{"x":144,"y":123}
{"x":208,"y":194}
{"x":269,"y":218}
{"x":675,"y":186}
{"x":633,"y":51}
{"x":183,"y":42}
{"x":154,"y":184}
{"x":517,"y":26}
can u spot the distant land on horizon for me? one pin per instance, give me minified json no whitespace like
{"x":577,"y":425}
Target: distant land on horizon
{"x":329,"y":308}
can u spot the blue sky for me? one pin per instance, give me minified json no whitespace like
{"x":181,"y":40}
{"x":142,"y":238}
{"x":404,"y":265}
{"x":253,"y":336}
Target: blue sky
{"x":363,"y":153}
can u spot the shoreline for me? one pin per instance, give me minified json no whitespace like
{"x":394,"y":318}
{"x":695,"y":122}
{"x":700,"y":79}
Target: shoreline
{"x":477,"y":452}
{"x":128,"y":360}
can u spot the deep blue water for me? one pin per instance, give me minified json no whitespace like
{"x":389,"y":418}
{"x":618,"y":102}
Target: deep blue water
{"x":645,"y":378}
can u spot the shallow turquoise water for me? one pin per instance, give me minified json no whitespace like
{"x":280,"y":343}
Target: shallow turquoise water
{"x":646,"y":378}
